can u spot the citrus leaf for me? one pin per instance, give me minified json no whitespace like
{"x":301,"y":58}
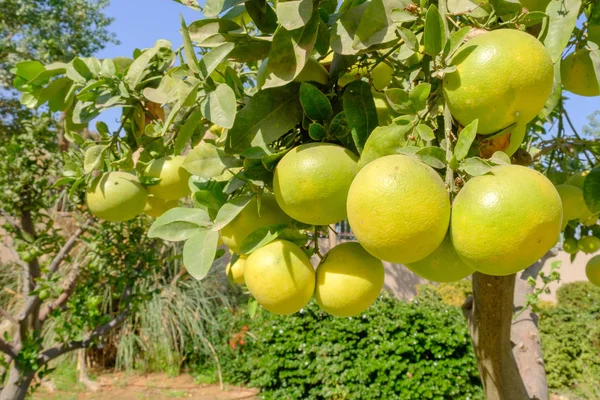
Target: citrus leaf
{"x":456,"y":39}
{"x":591,"y":190}
{"x":434,"y":36}
{"x":338,"y":126}
{"x":252,"y":307}
{"x":468,"y":7}
{"x":220,"y":107}
{"x":418,"y":96}
{"x":213,"y":58}
{"x":315,"y":104}
{"x":264,"y":17}
{"x":261,"y":237}
{"x":500,"y":158}
{"x":193,"y":4}
{"x":399,"y":101}
{"x":465,"y":139}
{"x":344,"y":30}
{"x":199,"y":253}
{"x":186,"y":131}
{"x":562,"y":19}
{"x":94,"y":158}
{"x":179,"y":224}
{"x":475,"y":166}
{"x":208,"y":161}
{"x":268,"y":115}
{"x":294,"y":14}
{"x":316,"y":131}
{"x":211,"y":32}
{"x":425,"y":132}
{"x":289,"y":52}
{"x":376,"y":25}
{"x":188,"y":49}
{"x":595,"y":57}
{"x":409,"y":38}
{"x":433,"y":156}
{"x":230,"y":210}
{"x":360,"y":111}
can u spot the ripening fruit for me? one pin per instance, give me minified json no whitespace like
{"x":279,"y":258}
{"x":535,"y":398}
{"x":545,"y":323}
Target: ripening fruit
{"x":155,"y":206}
{"x":249,"y":220}
{"x":589,"y":244}
{"x":505,"y":221}
{"x":116,"y":196}
{"x":578,"y":75}
{"x":349,"y":280}
{"x":398,"y":209}
{"x":173,"y":177}
{"x":502,"y":77}
{"x":443,"y":265}
{"x":570,"y":246}
{"x":572,"y":201}
{"x":381,"y":75}
{"x":577,"y":179}
{"x":236,"y":270}
{"x":311,"y":182}
{"x":592,"y":270}
{"x":280,"y":277}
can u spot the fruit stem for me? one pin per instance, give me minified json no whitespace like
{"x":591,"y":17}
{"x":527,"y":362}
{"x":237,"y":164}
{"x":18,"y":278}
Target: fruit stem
{"x":448,"y":137}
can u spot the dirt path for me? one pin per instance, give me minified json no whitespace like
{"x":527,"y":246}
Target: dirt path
{"x":122,"y":386}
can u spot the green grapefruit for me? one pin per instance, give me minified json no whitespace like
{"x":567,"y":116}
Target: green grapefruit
{"x":592,"y":270}
{"x":173,"y":177}
{"x":116,"y":196}
{"x":443,"y":265}
{"x":155,"y":206}
{"x":589,"y":244}
{"x":578,"y":75}
{"x":573,"y":203}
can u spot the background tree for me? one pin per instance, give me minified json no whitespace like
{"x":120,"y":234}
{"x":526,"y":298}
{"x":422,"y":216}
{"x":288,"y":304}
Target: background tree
{"x":251,"y":83}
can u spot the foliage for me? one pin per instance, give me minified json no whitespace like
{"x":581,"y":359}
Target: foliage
{"x":416,"y":350}
{"x":451,"y":293}
{"x":579,"y":296}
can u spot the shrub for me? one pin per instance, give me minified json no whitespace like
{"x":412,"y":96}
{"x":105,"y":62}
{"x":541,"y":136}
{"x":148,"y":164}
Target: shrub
{"x":451,"y":293}
{"x":395,"y":350}
{"x":579,"y":295}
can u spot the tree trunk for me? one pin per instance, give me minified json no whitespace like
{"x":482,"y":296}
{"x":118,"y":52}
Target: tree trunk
{"x":489,"y":314}
{"x":17,"y":384}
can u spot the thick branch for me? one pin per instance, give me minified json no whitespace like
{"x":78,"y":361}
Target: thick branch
{"x":68,"y":289}
{"x":8,"y":349}
{"x":8,"y":315}
{"x":66,"y":248}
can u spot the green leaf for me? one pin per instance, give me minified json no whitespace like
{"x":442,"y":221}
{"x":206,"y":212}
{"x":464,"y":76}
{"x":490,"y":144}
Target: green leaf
{"x":434,"y":36}
{"x":360,"y":111}
{"x":268,"y":115}
{"x":500,"y":158}
{"x":265,"y":18}
{"x":475,"y":166}
{"x":250,"y":49}
{"x":166,"y":91}
{"x":186,"y":131}
{"x":27,"y":70}
{"x":199,"y":253}
{"x":465,"y":139}
{"x":591,"y":190}
{"x":179,"y":224}
{"x":193,"y":4}
{"x":220,"y":107}
{"x":456,"y":39}
{"x":474,"y":8}
{"x":433,"y":156}
{"x":409,"y":38}
{"x":418,"y":96}
{"x":562,"y":19}
{"x":188,"y":48}
{"x":344,"y":30}
{"x":137,"y":70}
{"x":339,"y":126}
{"x":289,"y":52}
{"x":212,"y":8}
{"x":316,"y":131}
{"x":376,"y":25}
{"x":261,"y":237}
{"x":315,"y":104}
{"x":595,"y":57}
{"x":252,"y":307}
{"x":323,"y":39}
{"x":400,"y":15}
{"x":230,"y":210}
{"x":56,"y":94}
{"x":208,"y":161}
{"x":399,"y":101}
{"x":213,"y":58}
{"x":211,"y":32}
{"x":294,"y":14}
{"x":425,"y":132}
{"x":94,"y":158}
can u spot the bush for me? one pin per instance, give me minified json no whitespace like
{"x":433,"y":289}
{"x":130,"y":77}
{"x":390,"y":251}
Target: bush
{"x":395,"y":350}
{"x":579,"y":295}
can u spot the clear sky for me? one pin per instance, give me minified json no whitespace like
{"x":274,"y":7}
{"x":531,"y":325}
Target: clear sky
{"x":139,"y":23}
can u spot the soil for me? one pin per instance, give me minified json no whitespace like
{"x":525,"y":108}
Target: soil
{"x":123,"y":386}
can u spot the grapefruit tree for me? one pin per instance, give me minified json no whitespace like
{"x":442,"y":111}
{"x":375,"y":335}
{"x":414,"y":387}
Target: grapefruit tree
{"x":425,"y":123}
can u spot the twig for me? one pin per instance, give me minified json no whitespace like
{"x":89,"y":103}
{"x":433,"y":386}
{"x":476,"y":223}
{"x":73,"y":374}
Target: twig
{"x":68,"y":289}
{"x":576,"y":134}
{"x":11,"y":221}
{"x":8,"y":349}
{"x":7,"y":315}
{"x":66,"y":248}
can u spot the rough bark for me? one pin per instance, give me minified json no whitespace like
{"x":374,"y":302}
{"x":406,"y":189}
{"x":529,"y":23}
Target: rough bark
{"x":489,"y":314}
{"x":17,"y":384}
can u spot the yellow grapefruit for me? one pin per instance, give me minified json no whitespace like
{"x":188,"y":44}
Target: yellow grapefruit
{"x":116,"y":196}
{"x":311,"y":182}
{"x":348,"y":280}
{"x":155,"y":206}
{"x":443,"y":265}
{"x":235,"y":271}
{"x":578,"y":75}
{"x":505,"y":221}
{"x":398,"y":209}
{"x":592,"y":270}
{"x":572,"y":201}
{"x":503,"y":77}
{"x":173,"y":177}
{"x":280,"y":277}
{"x":249,"y":220}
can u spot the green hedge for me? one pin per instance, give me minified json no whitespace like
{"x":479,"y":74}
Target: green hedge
{"x":395,"y":350}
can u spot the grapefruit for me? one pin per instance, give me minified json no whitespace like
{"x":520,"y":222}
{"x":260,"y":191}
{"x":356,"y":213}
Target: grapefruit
{"x":578,"y":75}
{"x":235,"y":271}
{"x":173,"y":177}
{"x":592,"y":270}
{"x":311,"y":182}
{"x":155,"y":206}
{"x":116,"y":196}
{"x":280,"y":277}
{"x":398,"y":208}
{"x":572,"y":201}
{"x":249,"y":220}
{"x":443,"y":265}
{"x":348,"y":280}
{"x":589,"y":244}
{"x":503,"y":77}
{"x":381,"y":75}
{"x":577,"y":179}
{"x":506,"y":220}
{"x":570,"y":246}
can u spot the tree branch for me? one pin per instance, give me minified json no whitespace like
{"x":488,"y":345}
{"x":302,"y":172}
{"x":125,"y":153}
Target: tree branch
{"x":66,"y":248}
{"x":8,"y":349}
{"x":11,"y":221}
{"x":68,"y":289}
{"x":8,"y":315}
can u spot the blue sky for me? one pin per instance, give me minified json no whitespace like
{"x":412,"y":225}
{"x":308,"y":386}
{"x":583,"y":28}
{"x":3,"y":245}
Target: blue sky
{"x":139,"y":23}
